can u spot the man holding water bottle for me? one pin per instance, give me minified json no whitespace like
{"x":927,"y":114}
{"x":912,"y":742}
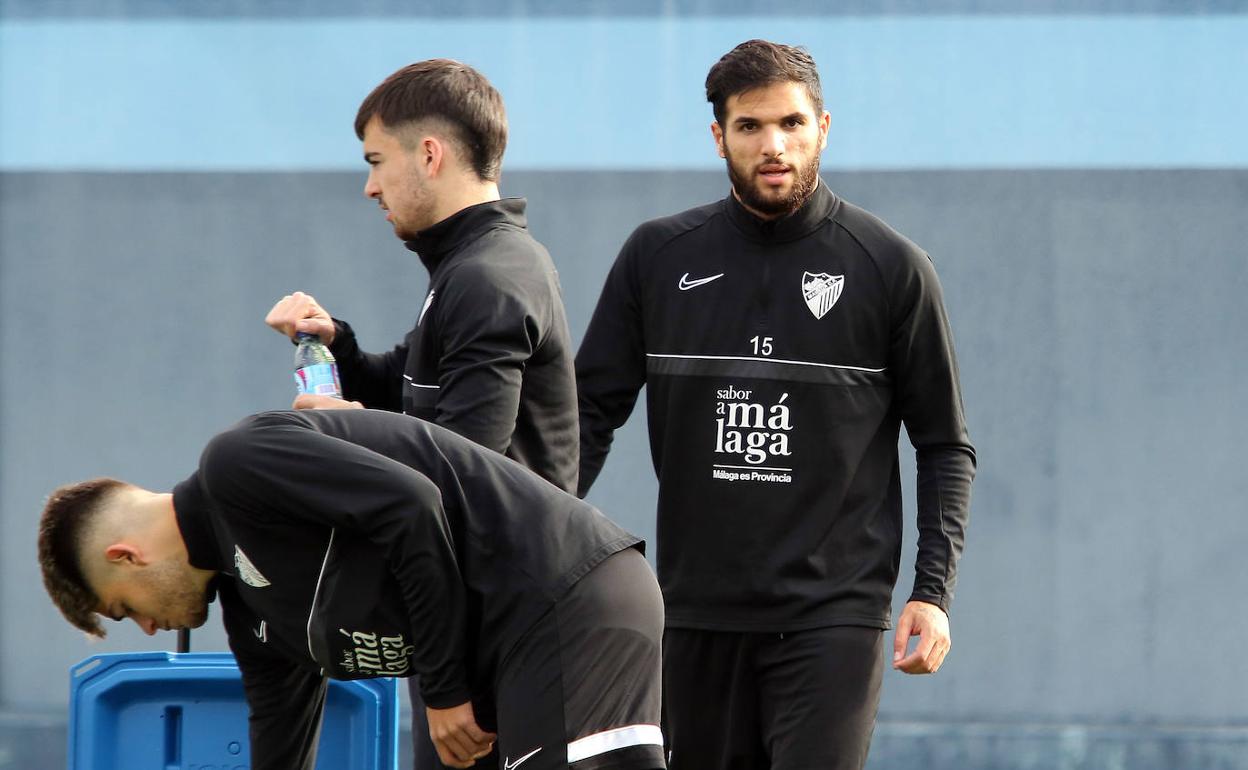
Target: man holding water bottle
{"x":490,"y":356}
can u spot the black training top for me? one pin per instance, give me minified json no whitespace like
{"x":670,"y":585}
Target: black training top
{"x":490,"y":356}
{"x":360,"y":543}
{"x":780,"y":359}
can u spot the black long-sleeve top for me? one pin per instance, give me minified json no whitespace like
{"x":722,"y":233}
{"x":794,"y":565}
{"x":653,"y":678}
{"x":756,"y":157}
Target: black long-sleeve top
{"x":780,"y":360}
{"x":360,"y":543}
{"x":490,"y":356}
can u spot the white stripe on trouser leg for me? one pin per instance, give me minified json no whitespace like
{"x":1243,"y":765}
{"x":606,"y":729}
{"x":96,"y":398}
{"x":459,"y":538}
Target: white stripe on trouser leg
{"x":610,"y":740}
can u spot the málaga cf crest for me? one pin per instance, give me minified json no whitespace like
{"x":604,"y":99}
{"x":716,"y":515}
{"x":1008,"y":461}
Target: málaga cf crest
{"x":821,"y":291}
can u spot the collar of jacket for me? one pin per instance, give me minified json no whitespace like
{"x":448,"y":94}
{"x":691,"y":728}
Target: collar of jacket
{"x":190,"y":507}
{"x":436,"y":243}
{"x":817,"y":208}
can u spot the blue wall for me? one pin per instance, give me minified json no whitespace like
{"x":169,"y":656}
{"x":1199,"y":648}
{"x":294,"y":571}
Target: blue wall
{"x":622,"y":93}
{"x":1079,"y":172}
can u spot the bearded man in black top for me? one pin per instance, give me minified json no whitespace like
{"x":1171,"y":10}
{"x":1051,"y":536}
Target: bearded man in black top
{"x":784,"y":336}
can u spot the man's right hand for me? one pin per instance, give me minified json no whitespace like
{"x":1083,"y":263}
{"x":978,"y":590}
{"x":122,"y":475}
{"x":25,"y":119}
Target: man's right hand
{"x":299,"y":312}
{"x":460,"y":741}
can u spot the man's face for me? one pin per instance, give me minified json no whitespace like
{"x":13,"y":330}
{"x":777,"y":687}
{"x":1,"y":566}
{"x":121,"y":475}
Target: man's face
{"x":397,"y":180}
{"x":771,"y":139}
{"x":157,"y":596}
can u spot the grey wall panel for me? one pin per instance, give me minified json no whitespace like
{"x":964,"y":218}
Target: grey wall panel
{"x":1098,"y":322}
{"x":1151,"y":417}
{"x":1098,"y":317}
{"x":132,"y":330}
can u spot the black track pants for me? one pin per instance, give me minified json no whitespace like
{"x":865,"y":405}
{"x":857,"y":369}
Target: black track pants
{"x":752,"y":701}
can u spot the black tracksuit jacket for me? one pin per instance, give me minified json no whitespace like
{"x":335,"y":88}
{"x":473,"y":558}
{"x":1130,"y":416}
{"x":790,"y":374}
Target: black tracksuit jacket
{"x":490,"y":356}
{"x":360,"y":543}
{"x":780,"y":360}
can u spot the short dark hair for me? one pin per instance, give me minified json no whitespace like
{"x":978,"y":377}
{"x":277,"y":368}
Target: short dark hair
{"x":453,"y":93}
{"x":758,"y":63}
{"x":63,"y":528}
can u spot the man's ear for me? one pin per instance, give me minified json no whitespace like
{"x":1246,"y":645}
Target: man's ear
{"x":432,"y":156}
{"x":718,"y":133}
{"x":124,"y":553}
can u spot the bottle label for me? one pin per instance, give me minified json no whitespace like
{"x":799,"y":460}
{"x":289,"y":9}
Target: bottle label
{"x":318,"y":380}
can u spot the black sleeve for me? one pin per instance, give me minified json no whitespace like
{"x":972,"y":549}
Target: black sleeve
{"x":373,"y":379}
{"x":293,"y":473}
{"x":610,"y":364}
{"x":930,"y":399}
{"x":490,"y":326}
{"x":286,"y":701}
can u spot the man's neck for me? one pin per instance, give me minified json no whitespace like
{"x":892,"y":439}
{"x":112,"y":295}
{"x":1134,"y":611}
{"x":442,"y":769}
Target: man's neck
{"x":758,"y":214}
{"x":170,"y":533}
{"x":463,"y":196}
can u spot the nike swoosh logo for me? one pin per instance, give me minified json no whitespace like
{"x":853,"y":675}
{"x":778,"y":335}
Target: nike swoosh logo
{"x":509,"y":765}
{"x":686,"y":284}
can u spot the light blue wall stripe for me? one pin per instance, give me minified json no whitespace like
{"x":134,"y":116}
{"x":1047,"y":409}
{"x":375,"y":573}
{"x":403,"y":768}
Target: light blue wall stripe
{"x":484,"y":9}
{"x":905,"y":92}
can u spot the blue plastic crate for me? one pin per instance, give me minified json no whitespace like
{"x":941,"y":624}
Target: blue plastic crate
{"x":187,"y":711}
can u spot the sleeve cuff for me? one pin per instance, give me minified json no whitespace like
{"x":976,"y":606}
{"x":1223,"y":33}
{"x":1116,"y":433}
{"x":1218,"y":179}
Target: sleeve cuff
{"x":344,"y":340}
{"x":445,"y":699}
{"x":940,"y":601}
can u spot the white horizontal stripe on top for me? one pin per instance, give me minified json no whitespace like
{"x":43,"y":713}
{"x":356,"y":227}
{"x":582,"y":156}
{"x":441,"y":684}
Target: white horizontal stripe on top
{"x":767,"y":360}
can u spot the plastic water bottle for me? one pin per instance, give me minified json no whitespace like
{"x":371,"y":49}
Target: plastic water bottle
{"x":315,"y":370}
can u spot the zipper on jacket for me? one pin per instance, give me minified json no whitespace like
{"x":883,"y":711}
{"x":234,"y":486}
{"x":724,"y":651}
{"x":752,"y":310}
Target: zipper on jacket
{"x":764,"y":294}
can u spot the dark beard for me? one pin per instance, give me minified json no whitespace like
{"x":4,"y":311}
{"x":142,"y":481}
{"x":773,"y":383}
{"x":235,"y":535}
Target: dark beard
{"x":804,"y":183}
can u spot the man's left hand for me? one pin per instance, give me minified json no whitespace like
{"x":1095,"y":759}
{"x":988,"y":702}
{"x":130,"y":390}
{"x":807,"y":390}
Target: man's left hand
{"x":457,"y":737}
{"x":313,"y":401}
{"x":931,"y":625}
